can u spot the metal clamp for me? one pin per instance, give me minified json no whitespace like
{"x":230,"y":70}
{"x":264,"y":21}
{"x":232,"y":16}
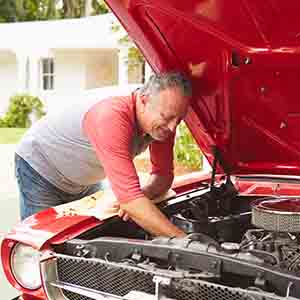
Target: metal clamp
{"x":159,"y":281}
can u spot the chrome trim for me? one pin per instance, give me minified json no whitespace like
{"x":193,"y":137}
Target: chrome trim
{"x":53,"y":288}
{"x":273,"y":219}
{"x":263,"y":176}
{"x":12,"y":267}
{"x":49,"y":276}
{"x":160,"y":281}
{"x":85,"y":291}
{"x":255,"y":204}
{"x":276,"y":212}
{"x":136,"y":295}
{"x":190,"y":195}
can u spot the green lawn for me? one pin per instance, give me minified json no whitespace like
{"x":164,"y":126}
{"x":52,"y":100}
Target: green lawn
{"x":11,"y":135}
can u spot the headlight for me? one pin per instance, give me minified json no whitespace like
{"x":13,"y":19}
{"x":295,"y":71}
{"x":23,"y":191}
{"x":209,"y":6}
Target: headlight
{"x":25,"y":266}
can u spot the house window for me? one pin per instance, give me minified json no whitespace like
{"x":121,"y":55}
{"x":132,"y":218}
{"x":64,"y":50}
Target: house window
{"x":48,"y":73}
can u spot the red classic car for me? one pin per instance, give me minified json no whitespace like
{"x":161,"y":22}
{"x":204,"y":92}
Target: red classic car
{"x":243,"y":219}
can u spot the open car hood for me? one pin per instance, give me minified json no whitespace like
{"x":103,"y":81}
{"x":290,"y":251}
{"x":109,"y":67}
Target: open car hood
{"x":243,"y":57}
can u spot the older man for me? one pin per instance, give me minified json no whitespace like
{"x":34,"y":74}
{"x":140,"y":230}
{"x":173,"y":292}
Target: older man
{"x":63,"y":157}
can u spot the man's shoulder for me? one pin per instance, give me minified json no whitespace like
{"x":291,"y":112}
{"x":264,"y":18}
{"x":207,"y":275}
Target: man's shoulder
{"x":115,"y":107}
{"x":118,"y":103}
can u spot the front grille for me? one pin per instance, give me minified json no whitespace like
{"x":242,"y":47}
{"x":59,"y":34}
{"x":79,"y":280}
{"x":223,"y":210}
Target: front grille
{"x":120,"y":280}
{"x":195,"y":290}
{"x":102,"y":277}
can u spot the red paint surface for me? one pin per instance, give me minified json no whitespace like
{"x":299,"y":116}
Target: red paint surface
{"x":249,"y":111}
{"x":48,"y":226}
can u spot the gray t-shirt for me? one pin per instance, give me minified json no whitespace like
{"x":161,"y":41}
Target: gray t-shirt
{"x":58,"y":149}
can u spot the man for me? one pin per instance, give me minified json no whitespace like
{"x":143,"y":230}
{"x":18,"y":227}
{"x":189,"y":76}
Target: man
{"x":63,"y":157}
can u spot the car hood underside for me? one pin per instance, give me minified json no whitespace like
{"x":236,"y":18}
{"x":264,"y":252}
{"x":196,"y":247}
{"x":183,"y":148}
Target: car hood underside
{"x":243,"y":59}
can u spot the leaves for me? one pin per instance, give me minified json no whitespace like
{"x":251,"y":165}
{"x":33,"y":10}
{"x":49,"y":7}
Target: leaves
{"x":186,"y":150}
{"x":7,"y":11}
{"x":19,"y":110}
{"x":135,"y":56}
{"x":81,"y":8}
{"x":37,"y":10}
{"x":99,"y":7}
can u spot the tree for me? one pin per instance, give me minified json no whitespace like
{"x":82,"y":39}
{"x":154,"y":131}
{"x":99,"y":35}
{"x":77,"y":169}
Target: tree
{"x":99,"y":7}
{"x":135,"y":57}
{"x":27,"y":10}
{"x":7,"y":11}
{"x":72,"y":9}
{"x":81,"y":8}
{"x":36,"y":10}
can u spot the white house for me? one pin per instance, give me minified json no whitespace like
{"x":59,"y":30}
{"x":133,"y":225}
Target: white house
{"x":56,"y":60}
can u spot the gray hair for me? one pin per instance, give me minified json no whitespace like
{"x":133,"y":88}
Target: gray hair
{"x":161,"y":82}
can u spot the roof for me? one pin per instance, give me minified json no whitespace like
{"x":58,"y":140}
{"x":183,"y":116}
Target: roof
{"x":90,"y":32}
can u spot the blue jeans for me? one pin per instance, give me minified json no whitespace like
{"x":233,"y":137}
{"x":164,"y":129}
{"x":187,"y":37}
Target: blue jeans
{"x":36,"y":193}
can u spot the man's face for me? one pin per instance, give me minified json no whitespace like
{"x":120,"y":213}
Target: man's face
{"x":164,"y":112}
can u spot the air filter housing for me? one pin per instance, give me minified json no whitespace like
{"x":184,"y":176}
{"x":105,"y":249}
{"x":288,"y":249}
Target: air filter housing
{"x":277,"y":214}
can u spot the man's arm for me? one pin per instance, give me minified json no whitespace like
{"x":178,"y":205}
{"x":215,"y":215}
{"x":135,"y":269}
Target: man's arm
{"x":148,"y":216}
{"x":142,"y":210}
{"x":157,"y":185}
{"x":102,"y":123}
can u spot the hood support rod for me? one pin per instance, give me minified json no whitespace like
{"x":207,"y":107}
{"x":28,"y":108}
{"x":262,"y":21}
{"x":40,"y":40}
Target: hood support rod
{"x":218,"y":159}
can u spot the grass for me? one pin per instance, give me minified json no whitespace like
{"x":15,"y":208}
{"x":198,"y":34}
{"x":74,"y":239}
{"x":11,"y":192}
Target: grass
{"x":11,"y":135}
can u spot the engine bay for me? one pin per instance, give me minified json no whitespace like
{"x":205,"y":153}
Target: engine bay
{"x":223,"y":245}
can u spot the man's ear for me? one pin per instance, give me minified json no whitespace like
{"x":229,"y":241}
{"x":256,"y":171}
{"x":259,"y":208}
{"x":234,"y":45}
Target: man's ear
{"x":144,"y":102}
{"x":144,"y":98}
{"x":141,"y":103}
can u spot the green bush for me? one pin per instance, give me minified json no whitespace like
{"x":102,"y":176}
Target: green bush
{"x":19,"y":110}
{"x":187,"y":151}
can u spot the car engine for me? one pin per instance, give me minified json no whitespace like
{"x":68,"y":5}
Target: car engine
{"x":273,"y":234}
{"x":277,"y":242}
{"x":245,"y":242}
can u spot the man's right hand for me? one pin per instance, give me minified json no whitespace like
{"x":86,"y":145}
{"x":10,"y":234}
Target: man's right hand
{"x":123,"y":215}
{"x":149,"y":217}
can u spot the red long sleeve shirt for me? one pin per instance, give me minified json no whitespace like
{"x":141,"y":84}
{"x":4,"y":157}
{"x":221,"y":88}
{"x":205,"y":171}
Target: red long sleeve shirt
{"x":112,"y":129}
